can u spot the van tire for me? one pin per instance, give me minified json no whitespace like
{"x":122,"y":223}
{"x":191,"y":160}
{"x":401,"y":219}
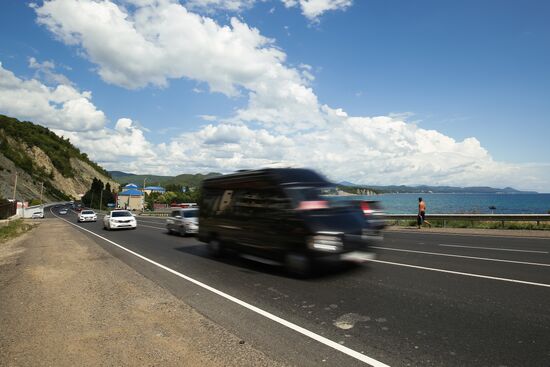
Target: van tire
{"x":298,"y":265}
{"x":215,"y":247}
{"x":182,"y":232}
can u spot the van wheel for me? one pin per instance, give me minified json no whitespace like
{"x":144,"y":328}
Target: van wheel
{"x":215,"y":247}
{"x":298,"y":265}
{"x":182,"y":232}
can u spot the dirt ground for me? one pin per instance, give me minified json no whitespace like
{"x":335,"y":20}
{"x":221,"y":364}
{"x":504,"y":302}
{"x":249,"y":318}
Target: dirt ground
{"x":64,"y":301}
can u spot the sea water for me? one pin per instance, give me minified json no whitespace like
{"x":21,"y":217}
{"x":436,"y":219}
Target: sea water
{"x":463,"y":203}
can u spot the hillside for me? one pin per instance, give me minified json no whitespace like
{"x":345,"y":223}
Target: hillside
{"x":439,"y":189}
{"x":191,"y":180}
{"x":40,"y":156}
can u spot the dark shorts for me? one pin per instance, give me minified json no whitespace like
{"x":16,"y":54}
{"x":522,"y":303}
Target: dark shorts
{"x":420,"y":218}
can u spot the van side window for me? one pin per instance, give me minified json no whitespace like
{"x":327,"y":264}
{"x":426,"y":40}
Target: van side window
{"x":175,"y":213}
{"x":225,"y":202}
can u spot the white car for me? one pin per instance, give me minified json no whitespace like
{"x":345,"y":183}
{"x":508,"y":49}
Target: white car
{"x":37,"y":215}
{"x":87,"y":216}
{"x":119,"y":219}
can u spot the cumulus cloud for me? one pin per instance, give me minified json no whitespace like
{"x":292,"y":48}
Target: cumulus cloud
{"x":61,"y":107}
{"x":153,"y":41}
{"x":313,"y":9}
{"x":150,"y":44}
{"x":212,"y":5}
{"x":45,"y":71}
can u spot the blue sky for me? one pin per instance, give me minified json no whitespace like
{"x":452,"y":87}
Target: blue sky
{"x":379,"y":92}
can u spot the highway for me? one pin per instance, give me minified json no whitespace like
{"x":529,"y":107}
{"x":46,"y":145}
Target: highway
{"x":427,"y":300}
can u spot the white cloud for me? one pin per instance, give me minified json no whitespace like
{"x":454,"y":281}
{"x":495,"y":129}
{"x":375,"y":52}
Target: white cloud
{"x":151,"y":44}
{"x":45,"y":71}
{"x":61,"y":107}
{"x":313,"y":9}
{"x":212,"y":5}
{"x":158,"y":40}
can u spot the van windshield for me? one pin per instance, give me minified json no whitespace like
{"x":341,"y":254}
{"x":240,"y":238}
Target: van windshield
{"x":191,"y":214}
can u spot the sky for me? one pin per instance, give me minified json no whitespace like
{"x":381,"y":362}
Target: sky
{"x":368,"y":91}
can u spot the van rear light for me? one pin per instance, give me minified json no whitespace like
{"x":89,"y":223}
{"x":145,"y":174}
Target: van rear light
{"x":366,"y":208}
{"x":313,"y":204}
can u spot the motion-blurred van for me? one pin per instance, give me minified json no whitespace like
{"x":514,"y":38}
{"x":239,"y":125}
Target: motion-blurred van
{"x":283,"y":215}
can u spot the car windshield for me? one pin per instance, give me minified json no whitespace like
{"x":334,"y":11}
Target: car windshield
{"x":191,"y":214}
{"x":88,"y":212}
{"x":121,"y":214}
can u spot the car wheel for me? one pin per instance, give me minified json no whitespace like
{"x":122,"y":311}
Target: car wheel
{"x":182,"y":232}
{"x":215,"y":247}
{"x":298,"y":265}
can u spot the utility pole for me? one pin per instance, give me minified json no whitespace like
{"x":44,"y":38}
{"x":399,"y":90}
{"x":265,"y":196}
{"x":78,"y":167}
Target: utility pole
{"x":41,"y":192}
{"x":15,"y":186}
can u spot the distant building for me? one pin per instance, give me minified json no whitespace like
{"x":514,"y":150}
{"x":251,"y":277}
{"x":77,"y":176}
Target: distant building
{"x":150,"y":189}
{"x":131,"y":199}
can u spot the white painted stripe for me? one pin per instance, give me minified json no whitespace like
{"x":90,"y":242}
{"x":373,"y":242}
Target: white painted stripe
{"x":321,"y":339}
{"x":494,"y":248}
{"x":152,"y":221}
{"x":461,"y":256}
{"x":145,"y":225}
{"x":461,"y":273}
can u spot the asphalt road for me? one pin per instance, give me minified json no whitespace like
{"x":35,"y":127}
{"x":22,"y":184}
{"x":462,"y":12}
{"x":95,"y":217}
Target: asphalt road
{"x":427,"y":300}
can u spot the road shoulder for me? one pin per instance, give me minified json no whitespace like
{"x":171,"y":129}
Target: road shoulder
{"x":65,"y":301}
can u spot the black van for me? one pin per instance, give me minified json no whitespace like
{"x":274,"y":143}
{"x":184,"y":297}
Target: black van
{"x":282,"y":214}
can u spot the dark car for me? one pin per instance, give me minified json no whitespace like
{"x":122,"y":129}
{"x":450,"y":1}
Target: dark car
{"x":282,"y":215}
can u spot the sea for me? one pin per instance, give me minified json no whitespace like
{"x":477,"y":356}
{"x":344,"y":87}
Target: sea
{"x":463,"y":203}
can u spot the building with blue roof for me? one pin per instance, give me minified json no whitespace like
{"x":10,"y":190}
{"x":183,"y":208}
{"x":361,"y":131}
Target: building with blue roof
{"x":150,"y":189}
{"x":131,"y":199}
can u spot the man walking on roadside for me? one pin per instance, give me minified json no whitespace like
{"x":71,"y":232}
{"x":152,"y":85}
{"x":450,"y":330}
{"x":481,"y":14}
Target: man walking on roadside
{"x":421,"y":219}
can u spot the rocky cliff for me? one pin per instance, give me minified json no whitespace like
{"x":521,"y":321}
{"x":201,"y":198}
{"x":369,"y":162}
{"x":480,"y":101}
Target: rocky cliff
{"x":43,"y":161}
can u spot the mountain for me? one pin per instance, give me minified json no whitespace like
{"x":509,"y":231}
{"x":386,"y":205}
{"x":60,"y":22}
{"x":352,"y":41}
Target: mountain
{"x":43,"y":162}
{"x":191,"y":180}
{"x":448,"y":190}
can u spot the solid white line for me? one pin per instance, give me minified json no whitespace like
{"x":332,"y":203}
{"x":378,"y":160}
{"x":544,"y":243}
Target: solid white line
{"x":461,"y":273}
{"x":150,"y":221}
{"x":494,"y":248}
{"x":321,"y":339}
{"x":461,"y":256}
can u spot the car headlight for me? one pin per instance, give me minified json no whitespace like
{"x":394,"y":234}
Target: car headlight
{"x":326,"y":241}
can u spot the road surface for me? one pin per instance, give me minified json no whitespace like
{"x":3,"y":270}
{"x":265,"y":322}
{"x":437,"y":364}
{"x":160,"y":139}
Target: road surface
{"x":427,"y":300}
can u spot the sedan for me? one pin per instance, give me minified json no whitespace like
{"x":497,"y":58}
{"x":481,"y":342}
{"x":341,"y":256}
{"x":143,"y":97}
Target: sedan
{"x":119,"y":219}
{"x":63,"y":211}
{"x":87,"y":216}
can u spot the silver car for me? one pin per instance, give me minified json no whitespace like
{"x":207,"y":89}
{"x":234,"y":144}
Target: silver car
{"x":183,"y":221}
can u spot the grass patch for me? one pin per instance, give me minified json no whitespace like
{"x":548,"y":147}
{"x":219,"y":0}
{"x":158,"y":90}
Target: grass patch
{"x":543,"y":226}
{"x":14,"y":229}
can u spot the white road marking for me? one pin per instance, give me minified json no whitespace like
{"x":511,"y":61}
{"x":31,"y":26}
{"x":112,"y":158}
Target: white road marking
{"x":462,"y":273}
{"x":461,"y":256}
{"x":151,"y":221}
{"x":494,"y":248}
{"x":145,"y":225}
{"x":321,"y":339}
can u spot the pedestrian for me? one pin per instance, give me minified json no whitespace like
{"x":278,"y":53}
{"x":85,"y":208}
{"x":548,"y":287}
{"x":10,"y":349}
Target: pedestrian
{"x":421,"y":218}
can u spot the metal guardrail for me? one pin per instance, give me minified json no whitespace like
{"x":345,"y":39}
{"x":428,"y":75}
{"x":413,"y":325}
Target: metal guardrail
{"x":476,"y":217}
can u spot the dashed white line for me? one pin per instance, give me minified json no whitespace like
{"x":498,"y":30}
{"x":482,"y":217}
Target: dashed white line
{"x":462,"y":273}
{"x":494,"y":248}
{"x":461,"y":256}
{"x":321,"y":339}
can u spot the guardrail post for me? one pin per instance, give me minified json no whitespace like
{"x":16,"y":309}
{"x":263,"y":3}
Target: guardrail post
{"x":502,"y":224}
{"x":444,"y":223}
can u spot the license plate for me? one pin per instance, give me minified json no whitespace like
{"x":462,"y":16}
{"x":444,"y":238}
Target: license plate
{"x":357,"y":256}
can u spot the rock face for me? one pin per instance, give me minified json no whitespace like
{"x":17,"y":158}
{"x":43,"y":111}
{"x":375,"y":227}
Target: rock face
{"x":35,"y":170}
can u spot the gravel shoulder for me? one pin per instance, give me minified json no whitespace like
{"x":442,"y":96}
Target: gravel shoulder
{"x":64,"y":301}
